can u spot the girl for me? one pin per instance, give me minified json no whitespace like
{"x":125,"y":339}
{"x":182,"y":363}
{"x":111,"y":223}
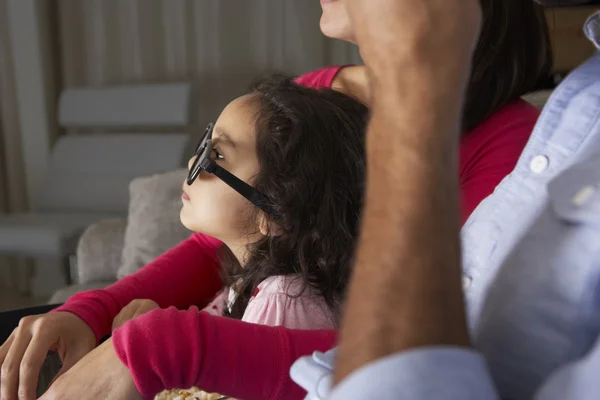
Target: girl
{"x":278,"y":179}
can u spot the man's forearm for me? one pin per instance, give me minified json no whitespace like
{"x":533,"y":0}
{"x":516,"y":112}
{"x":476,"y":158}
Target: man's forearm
{"x":410,"y":228}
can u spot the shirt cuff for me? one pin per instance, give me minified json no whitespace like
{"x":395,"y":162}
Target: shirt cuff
{"x":431,"y":373}
{"x":89,"y":310}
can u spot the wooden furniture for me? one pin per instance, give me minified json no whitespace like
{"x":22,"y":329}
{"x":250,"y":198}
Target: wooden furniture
{"x":569,"y":43}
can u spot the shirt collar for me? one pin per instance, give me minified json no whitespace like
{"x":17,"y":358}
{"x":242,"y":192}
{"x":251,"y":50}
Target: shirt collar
{"x":592,"y":29}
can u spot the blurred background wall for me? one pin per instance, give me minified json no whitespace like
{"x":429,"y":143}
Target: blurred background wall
{"x":219,"y":45}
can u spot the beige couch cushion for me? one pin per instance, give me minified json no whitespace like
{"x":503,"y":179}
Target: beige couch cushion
{"x":153,"y":225}
{"x":99,"y":251}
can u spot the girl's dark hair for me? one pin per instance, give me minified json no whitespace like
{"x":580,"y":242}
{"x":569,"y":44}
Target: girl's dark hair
{"x":311,"y":151}
{"x":513,"y":57}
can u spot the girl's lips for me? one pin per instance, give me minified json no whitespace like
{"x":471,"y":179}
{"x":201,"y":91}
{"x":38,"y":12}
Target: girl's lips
{"x":185,"y":196}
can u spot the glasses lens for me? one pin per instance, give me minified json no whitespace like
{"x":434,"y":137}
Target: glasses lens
{"x":200,"y":153}
{"x":203,"y":140}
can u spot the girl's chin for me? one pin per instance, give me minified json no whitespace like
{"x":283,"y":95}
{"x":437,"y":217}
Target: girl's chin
{"x":185,"y":221}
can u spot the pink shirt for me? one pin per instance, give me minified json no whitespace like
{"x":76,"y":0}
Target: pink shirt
{"x":277,"y":302}
{"x":181,"y":347}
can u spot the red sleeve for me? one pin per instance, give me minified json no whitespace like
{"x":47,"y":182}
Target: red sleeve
{"x":490,"y":152}
{"x":319,"y":78}
{"x":186,"y":275}
{"x":179,"y":349}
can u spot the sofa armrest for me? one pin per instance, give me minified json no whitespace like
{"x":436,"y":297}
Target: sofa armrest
{"x":99,"y":251}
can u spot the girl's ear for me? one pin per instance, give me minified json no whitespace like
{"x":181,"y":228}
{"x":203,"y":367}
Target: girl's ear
{"x":267,"y":228}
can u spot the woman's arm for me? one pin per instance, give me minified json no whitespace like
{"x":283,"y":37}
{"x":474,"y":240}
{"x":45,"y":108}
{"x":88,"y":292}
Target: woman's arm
{"x":186,"y":275}
{"x":179,"y":349}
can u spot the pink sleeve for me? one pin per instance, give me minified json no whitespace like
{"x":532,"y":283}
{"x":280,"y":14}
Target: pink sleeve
{"x":179,"y":349}
{"x":294,"y":313}
{"x":491,"y":151}
{"x":186,"y":275}
{"x":319,"y":78}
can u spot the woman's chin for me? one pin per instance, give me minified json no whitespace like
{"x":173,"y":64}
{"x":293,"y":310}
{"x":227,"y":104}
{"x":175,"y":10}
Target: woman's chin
{"x":334,"y":31}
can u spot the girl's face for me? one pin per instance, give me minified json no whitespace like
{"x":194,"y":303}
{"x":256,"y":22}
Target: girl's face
{"x":212,"y":207}
{"x":335,"y":22}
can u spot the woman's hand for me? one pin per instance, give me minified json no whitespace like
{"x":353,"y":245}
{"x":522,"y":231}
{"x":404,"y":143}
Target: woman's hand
{"x":99,"y":375}
{"x":24,"y":352}
{"x":133,"y":310}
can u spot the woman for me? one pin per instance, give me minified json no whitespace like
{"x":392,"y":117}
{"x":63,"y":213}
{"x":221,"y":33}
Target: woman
{"x":512,"y":56}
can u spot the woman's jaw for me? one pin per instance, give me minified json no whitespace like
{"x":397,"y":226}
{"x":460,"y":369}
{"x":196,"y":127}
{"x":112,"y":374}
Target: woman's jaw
{"x":335,"y":22}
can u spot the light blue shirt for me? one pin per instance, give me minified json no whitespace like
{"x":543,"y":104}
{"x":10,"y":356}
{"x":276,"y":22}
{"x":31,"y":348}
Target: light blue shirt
{"x":531,"y":277}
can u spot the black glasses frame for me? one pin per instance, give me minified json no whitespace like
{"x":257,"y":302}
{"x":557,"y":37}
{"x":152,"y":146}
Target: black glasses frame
{"x":203,"y":161}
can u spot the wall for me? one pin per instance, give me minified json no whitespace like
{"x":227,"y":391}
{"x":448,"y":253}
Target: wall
{"x":220,"y":45}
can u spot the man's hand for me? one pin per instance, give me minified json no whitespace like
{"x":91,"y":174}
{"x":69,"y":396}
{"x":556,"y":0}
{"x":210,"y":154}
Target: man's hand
{"x":397,"y":34}
{"x":133,"y":310}
{"x":99,"y":375}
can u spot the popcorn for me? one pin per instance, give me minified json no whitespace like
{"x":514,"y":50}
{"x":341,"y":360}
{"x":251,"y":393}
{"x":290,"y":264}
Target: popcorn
{"x":193,"y":393}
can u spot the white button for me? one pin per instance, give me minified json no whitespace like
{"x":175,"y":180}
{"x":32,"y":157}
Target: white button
{"x":583,"y":196}
{"x":466,"y":282}
{"x":539,"y":164}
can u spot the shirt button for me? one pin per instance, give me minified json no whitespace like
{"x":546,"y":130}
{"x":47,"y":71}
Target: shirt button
{"x":583,"y":195}
{"x":466,"y":282}
{"x":539,"y":164}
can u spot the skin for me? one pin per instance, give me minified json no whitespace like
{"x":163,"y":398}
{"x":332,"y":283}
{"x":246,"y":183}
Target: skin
{"x":115,"y":382}
{"x":212,"y":207}
{"x":133,"y":310}
{"x":335,"y":23}
{"x":412,"y":186}
{"x":417,"y":163}
{"x":23,"y":354}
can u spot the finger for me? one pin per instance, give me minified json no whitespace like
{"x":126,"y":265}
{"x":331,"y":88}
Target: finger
{"x":3,"y":352}
{"x":125,"y":315}
{"x":9,"y":379}
{"x":4,"y":348}
{"x":144,"y":309}
{"x":122,"y":318}
{"x":33,"y":359}
{"x":117,"y":322}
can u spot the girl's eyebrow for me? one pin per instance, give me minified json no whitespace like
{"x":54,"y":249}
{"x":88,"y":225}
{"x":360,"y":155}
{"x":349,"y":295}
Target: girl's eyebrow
{"x":223,"y":137}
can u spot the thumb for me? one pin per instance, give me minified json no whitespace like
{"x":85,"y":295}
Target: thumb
{"x":144,"y":309}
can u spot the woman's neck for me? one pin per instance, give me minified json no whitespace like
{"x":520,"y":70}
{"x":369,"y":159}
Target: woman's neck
{"x":352,"y":80}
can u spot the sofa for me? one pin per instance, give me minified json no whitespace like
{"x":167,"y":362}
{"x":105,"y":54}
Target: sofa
{"x":113,"y":134}
{"x":117,"y":247}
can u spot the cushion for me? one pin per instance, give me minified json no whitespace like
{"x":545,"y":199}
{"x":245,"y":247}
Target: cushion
{"x":99,"y":251}
{"x":153,"y":224}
